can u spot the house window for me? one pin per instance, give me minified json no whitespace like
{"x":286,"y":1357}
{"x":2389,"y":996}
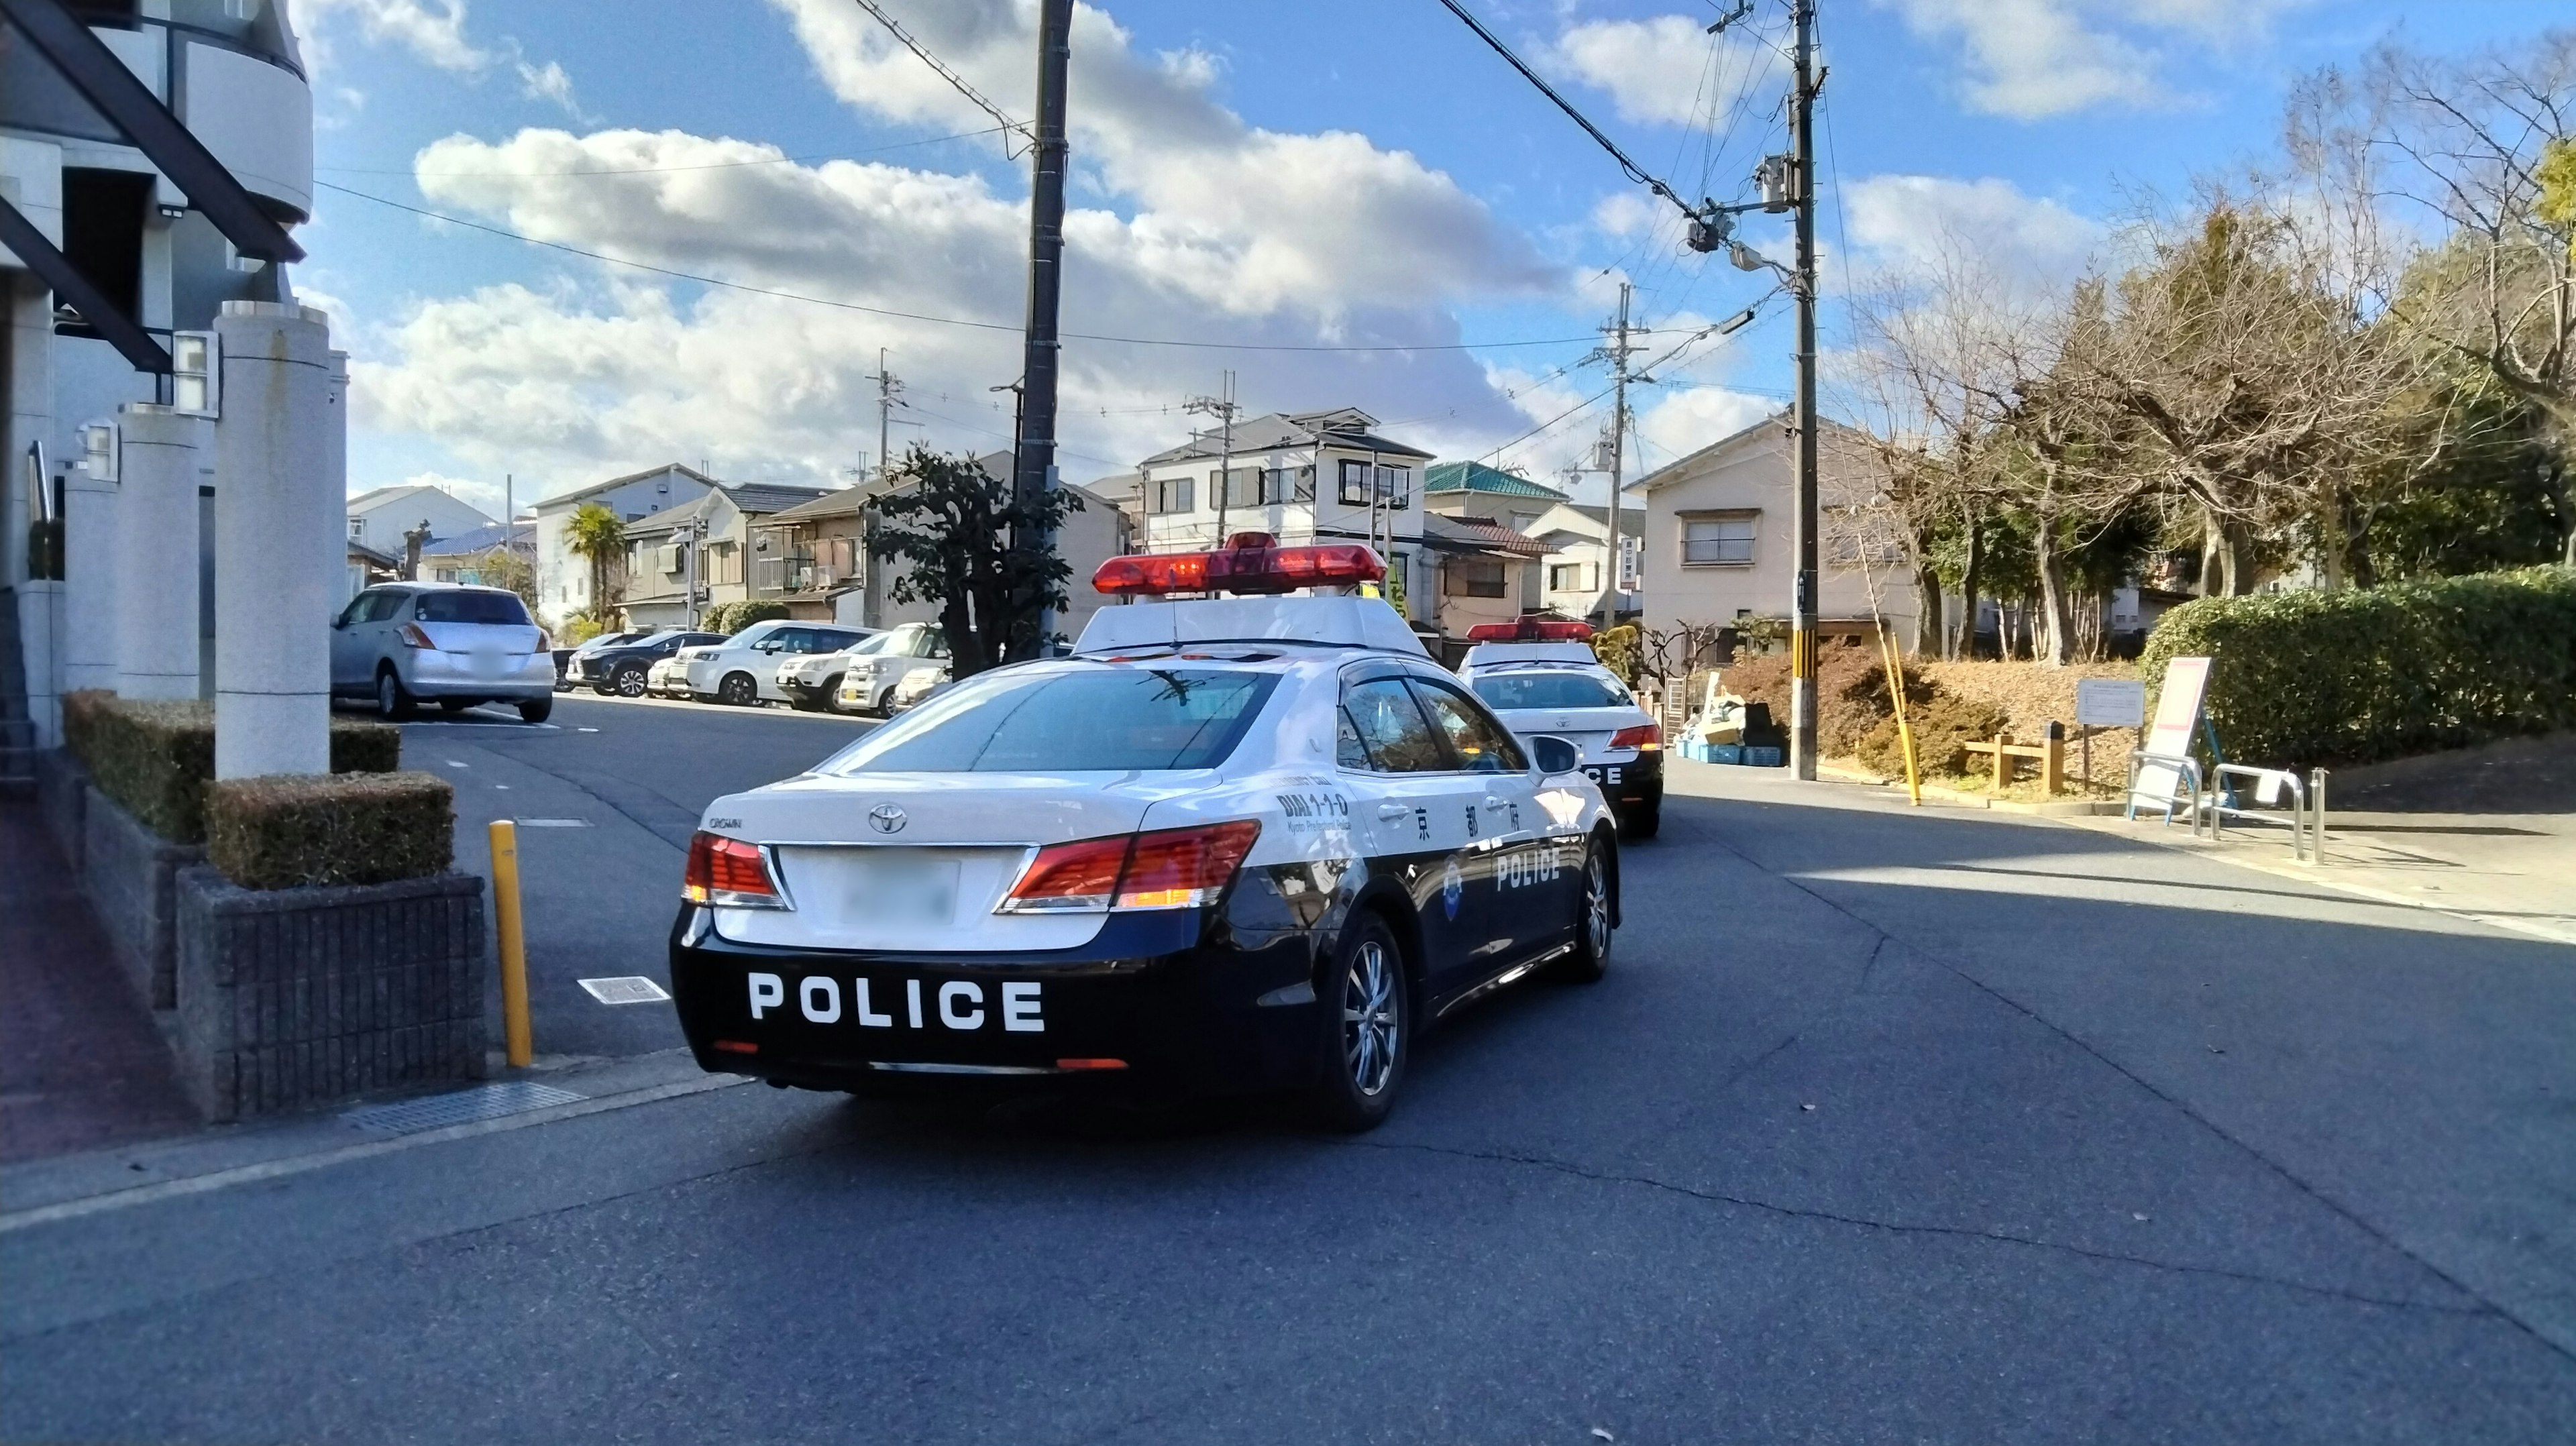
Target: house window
{"x":1395,"y":484}
{"x":1569,"y":577}
{"x":1355,"y":484}
{"x":1236,"y":487}
{"x":194,"y":376}
{"x":1170,"y":494}
{"x":1472,"y":577}
{"x":1287,"y":484}
{"x":357,"y":529}
{"x":1718,"y":541}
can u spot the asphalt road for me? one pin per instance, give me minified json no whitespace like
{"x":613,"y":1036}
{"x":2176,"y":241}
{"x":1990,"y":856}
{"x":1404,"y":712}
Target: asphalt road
{"x":1884,"y":1127}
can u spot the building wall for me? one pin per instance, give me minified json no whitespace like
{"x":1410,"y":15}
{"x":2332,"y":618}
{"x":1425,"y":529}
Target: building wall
{"x":1754,"y":477}
{"x":382,"y":523}
{"x":563,"y":579}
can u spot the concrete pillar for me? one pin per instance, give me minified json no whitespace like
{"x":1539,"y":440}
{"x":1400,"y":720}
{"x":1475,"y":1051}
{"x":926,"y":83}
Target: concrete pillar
{"x":279,"y":540}
{"x":156,"y":619}
{"x":91,"y":580}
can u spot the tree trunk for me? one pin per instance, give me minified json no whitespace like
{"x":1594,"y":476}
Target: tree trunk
{"x":2049,"y":641}
{"x":1928,"y":632}
{"x":2213,"y":559}
{"x":1968,"y":582}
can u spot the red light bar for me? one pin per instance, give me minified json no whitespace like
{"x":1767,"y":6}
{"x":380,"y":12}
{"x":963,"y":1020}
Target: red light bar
{"x":1249,"y":563}
{"x":1532,"y":630}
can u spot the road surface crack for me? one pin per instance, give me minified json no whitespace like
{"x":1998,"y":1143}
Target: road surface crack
{"x":1895,"y":1227}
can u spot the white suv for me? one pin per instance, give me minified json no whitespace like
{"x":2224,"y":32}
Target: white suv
{"x":743,"y":669}
{"x":868,"y":685}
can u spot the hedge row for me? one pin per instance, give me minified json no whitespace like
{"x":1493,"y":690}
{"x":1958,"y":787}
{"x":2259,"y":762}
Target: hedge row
{"x":733,"y":617}
{"x":308,"y":829}
{"x":156,"y":758}
{"x":2356,"y":675}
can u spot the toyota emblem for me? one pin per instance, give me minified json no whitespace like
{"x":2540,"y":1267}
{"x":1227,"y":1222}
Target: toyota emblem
{"x":886,"y":818}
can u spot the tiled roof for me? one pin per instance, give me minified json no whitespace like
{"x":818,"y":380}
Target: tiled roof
{"x":1475,"y":534}
{"x":1347,"y":428}
{"x":1477,"y":477}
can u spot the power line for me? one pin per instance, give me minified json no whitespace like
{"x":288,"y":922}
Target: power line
{"x":943,"y":70}
{"x":771,"y":291}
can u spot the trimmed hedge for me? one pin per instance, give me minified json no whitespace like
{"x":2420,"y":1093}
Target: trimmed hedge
{"x":156,"y":758}
{"x":2352,"y":676}
{"x":733,"y":617}
{"x":299,"y":830}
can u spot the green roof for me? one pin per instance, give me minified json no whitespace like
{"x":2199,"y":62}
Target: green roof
{"x":1477,"y":477}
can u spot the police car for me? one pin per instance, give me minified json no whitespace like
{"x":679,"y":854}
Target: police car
{"x":1539,"y":676}
{"x":1236,"y":840}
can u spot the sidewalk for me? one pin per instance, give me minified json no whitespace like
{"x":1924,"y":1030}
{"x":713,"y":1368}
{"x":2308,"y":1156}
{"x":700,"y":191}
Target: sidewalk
{"x":81,"y":1062}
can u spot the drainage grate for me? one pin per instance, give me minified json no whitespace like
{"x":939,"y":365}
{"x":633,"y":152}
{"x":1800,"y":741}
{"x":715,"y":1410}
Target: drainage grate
{"x":626,"y":989}
{"x":463,"y":1107}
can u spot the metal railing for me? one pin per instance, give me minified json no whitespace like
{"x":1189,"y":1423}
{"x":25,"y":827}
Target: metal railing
{"x":2307,"y":823}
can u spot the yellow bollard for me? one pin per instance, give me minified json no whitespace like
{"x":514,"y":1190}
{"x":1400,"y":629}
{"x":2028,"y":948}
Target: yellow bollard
{"x":514,"y":944}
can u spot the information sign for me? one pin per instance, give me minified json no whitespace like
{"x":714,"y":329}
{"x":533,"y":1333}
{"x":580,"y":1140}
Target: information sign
{"x":2110,"y":702}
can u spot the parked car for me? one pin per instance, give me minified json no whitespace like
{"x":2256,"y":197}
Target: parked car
{"x":917,"y":688}
{"x":871,"y":681}
{"x":564,"y":656}
{"x":743,"y":669}
{"x":404,"y":643}
{"x":624,"y":668}
{"x":813,"y":682}
{"x":669,"y":678}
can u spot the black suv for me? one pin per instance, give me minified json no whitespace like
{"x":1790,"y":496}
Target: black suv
{"x":621,"y":669}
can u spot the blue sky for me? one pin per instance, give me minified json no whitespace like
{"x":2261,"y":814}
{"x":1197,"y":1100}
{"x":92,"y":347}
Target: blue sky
{"x":1278,"y":176}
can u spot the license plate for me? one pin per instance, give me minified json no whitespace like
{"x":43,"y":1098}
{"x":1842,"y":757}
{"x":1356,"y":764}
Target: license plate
{"x":902,"y":890}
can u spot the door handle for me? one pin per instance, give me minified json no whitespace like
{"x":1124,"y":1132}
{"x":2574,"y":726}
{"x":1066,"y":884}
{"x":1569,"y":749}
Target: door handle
{"x":1393,"y":811}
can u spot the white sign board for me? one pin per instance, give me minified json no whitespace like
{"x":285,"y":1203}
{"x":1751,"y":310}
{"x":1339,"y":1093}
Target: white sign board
{"x":2110,"y":702}
{"x":2177,"y":714}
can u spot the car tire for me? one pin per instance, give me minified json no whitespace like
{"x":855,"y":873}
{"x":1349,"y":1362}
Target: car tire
{"x":536,"y":710}
{"x":629,"y":682}
{"x":738,"y":690}
{"x":828,"y":700}
{"x":394,"y":702}
{"x":1642,"y":821}
{"x":1364,"y":1029}
{"x":1592,"y":920}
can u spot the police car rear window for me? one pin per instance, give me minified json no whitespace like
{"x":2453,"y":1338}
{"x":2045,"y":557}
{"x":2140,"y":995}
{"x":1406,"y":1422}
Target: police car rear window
{"x":1549,"y":688}
{"x":1110,"y":719}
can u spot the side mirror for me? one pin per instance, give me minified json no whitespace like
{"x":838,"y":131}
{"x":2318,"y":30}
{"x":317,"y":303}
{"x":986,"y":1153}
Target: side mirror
{"x":1554,"y":755}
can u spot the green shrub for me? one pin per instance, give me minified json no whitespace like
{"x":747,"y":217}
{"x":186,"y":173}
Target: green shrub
{"x":1621,"y":650}
{"x":155,"y":758}
{"x":744,"y":614}
{"x":2351,"y":676}
{"x":304,"y":829}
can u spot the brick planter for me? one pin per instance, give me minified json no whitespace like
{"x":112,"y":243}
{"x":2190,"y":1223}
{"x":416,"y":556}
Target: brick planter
{"x":128,"y":872}
{"x":62,"y":788}
{"x":295,"y":997}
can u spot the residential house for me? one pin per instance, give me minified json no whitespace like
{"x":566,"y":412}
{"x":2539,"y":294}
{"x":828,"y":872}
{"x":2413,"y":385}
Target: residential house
{"x":706,"y":544}
{"x":1473,"y":489}
{"x":1303,"y":477}
{"x":563,"y":576}
{"x":1479,"y":571}
{"x":1574,"y":576}
{"x":1719,"y":542}
{"x":380,"y":518}
{"x":813,"y":557}
{"x":462,"y":558}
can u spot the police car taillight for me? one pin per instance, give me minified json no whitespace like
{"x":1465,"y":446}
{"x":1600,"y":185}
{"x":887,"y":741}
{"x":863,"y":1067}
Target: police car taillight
{"x":1172,"y":868}
{"x":1250,"y":563}
{"x":730,"y":873}
{"x":1531,"y":630}
{"x":1645,"y":737}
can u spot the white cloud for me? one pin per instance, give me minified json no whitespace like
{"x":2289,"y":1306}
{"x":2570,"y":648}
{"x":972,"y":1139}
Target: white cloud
{"x":1665,"y":70}
{"x":2030,"y":59}
{"x":1913,"y":223}
{"x":1212,"y":230}
{"x":433,"y":32}
{"x":547,"y":82}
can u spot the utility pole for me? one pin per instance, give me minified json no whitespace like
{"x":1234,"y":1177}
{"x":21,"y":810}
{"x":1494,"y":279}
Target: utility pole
{"x":1034,"y":457}
{"x":1618,"y":351}
{"x":1222,"y":408}
{"x":871,"y":586}
{"x":1802,"y":613}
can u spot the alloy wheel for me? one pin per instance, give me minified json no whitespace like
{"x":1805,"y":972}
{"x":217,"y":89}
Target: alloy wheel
{"x":1596,"y":905}
{"x":1369,"y":1017}
{"x":739,"y":691}
{"x":630,"y":683}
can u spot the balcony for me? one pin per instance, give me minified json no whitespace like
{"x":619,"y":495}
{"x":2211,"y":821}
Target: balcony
{"x":788,"y":576}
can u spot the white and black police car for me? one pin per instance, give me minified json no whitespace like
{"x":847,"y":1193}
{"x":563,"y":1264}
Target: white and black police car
{"x":1540,"y":676}
{"x":1237,"y":840}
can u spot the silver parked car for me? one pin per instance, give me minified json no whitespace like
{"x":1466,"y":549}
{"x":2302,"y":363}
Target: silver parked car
{"x":405,"y":643}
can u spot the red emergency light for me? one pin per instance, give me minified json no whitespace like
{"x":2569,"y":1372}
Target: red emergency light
{"x":1532,"y":630}
{"x":1250,"y":562}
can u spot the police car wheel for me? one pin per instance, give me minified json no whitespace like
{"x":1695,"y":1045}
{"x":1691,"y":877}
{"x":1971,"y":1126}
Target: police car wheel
{"x":1642,"y":820}
{"x":1591,"y":956}
{"x":1367,"y":1029}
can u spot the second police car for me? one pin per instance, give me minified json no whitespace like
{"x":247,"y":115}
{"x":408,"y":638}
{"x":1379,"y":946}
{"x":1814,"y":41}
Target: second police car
{"x":1238,"y":840}
{"x":1539,"y":675}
